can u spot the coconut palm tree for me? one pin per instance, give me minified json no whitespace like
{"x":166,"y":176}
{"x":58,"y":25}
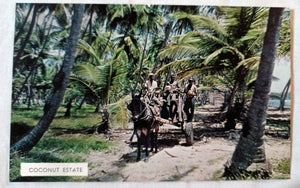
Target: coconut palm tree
{"x":34,"y":55}
{"x":174,"y":25}
{"x":102,"y":78}
{"x":25,"y":41}
{"x":149,"y":22}
{"x":20,"y":23}
{"x":43,"y":36}
{"x":250,"y":148}
{"x":60,"y":84}
{"x":221,"y":45}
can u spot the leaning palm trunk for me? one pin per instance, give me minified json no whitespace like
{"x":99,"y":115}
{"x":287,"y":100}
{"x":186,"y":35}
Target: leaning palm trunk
{"x":23,"y":25}
{"x":60,"y":83}
{"x":32,"y":69}
{"x":284,"y":95}
{"x":26,"y":39}
{"x":250,"y":148}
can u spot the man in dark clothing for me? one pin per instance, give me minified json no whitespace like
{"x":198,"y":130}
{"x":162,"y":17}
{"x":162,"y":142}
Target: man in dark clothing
{"x":174,"y":87}
{"x":189,"y":104}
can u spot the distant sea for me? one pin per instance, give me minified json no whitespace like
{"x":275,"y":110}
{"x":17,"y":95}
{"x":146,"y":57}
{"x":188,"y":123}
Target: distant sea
{"x":276,"y":103}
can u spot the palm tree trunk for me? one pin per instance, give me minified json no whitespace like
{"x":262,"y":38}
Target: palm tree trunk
{"x":97,"y":106}
{"x":167,"y":34}
{"x":283,"y":95}
{"x":69,"y":106}
{"x":33,"y":67}
{"x":29,"y":94}
{"x":91,"y":25}
{"x":15,"y":97}
{"x":234,"y":110}
{"x":23,"y":45}
{"x":141,"y":62}
{"x":230,"y":117}
{"x":250,"y":148}
{"x":82,"y":101}
{"x":23,"y":25}
{"x":60,"y":83}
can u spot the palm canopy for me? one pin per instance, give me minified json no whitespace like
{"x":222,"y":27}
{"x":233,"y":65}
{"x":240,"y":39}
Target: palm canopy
{"x":230,"y":41}
{"x":105,"y":80}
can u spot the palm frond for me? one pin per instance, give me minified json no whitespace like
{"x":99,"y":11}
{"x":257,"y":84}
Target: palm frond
{"x":226,"y":49}
{"x":254,"y":39}
{"x":181,"y":65}
{"x":178,"y":51}
{"x":105,"y":75}
{"x":118,"y":112}
{"x":284,"y":47}
{"x":194,"y":71}
{"x":88,"y":87}
{"x":89,"y":49}
{"x":250,"y":63}
{"x":190,"y":44}
{"x":134,"y":50}
{"x":201,"y":22}
{"x":87,"y":72}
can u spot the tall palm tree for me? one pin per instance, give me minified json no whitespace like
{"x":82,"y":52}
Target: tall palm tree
{"x":102,"y":78}
{"x":149,"y":22}
{"x":26,"y":38}
{"x":60,"y":84}
{"x":43,"y":39}
{"x":217,"y":46}
{"x":250,"y":148}
{"x":19,"y":14}
{"x":173,"y":26}
{"x":33,"y":56}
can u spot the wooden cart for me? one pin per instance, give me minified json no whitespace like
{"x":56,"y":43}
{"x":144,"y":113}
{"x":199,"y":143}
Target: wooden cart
{"x":178,"y":124}
{"x":183,"y":127}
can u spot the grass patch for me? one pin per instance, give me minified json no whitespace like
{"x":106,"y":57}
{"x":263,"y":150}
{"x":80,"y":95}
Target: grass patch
{"x":64,"y":141}
{"x":284,"y":166}
{"x":29,"y":117}
{"x":218,"y":175}
{"x":214,"y":161}
{"x":283,"y":169}
{"x":66,"y":148}
{"x":72,"y":143}
{"x":80,"y":118}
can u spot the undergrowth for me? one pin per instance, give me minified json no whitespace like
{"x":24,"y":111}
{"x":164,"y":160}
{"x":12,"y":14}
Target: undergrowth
{"x":59,"y":143}
{"x":282,"y":169}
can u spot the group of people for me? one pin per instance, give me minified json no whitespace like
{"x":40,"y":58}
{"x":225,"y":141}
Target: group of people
{"x":166,"y":104}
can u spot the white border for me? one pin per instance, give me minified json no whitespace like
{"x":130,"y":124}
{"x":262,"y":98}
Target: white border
{"x":7,"y":13}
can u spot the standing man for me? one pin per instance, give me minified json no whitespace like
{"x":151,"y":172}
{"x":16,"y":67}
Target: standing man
{"x":151,"y":85}
{"x":189,"y":104}
{"x":152,"y":95}
{"x":173,"y":83}
{"x":174,"y":86}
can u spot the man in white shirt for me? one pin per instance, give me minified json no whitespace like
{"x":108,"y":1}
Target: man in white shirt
{"x":151,"y":84}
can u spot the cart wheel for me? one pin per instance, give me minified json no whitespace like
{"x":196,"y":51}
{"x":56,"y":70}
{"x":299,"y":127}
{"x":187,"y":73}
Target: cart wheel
{"x":189,"y":134}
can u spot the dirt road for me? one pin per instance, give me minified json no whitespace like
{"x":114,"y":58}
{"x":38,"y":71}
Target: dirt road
{"x":174,"y":161}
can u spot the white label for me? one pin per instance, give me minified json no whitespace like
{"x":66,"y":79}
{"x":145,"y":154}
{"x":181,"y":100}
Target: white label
{"x":54,"y":169}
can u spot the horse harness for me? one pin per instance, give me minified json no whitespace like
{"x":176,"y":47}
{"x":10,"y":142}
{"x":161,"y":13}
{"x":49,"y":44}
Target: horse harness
{"x":147,"y":116}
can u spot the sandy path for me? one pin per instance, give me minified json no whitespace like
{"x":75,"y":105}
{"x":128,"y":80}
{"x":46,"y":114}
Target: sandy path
{"x":174,"y":162}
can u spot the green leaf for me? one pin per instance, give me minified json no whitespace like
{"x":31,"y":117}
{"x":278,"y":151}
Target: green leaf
{"x":85,"y":46}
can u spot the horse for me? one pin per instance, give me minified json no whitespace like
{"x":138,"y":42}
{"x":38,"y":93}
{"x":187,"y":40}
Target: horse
{"x":145,"y":125}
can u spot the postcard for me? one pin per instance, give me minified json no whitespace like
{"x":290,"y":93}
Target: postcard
{"x":149,"y":94}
